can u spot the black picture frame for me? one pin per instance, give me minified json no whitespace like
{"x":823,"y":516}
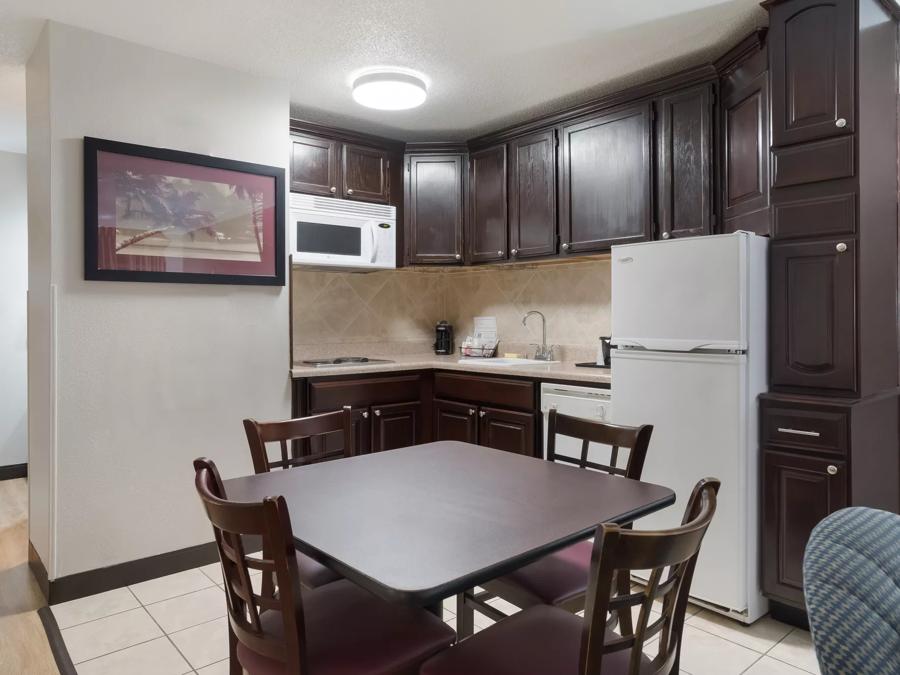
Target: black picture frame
{"x":93,"y":146}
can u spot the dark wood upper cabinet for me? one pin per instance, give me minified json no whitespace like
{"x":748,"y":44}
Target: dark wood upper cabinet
{"x":813,"y":315}
{"x":434,"y":208}
{"x":605,"y":182}
{"x":812,"y":57}
{"x":744,"y":150}
{"x":314,"y":165}
{"x":799,"y":492}
{"x":488,"y":232}
{"x":365,"y":173}
{"x":532,"y":195}
{"x":455,"y":421}
{"x":506,"y":430}
{"x":396,"y":425}
{"x":684,"y":162}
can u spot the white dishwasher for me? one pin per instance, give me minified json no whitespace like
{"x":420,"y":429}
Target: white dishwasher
{"x":586,"y":402}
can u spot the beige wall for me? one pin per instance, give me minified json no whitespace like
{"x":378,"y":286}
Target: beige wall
{"x":341,"y":312}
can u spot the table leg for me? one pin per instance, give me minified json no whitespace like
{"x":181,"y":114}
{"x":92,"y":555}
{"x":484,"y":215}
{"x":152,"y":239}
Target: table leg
{"x":465,"y":617}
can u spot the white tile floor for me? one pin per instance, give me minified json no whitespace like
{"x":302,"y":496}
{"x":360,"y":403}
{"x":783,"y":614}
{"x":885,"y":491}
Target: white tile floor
{"x":176,"y":625}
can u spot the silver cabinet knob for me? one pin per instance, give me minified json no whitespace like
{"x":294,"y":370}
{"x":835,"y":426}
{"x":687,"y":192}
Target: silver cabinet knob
{"x":333,"y":190}
{"x":565,"y":247}
{"x":840,"y":248}
{"x":481,"y":413}
{"x":500,"y":253}
{"x":471,"y":411}
{"x":840,"y":123}
{"x":515,"y":251}
{"x":458,"y":256}
{"x":831,"y":469}
{"x":665,"y":235}
{"x":349,"y":192}
{"x":377,"y":413}
{"x":365,"y":414}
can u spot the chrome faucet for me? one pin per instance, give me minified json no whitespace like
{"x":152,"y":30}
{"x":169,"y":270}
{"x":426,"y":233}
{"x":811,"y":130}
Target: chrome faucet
{"x":543,"y":351}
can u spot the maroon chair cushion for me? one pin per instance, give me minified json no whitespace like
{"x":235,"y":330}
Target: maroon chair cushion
{"x":557,"y":577}
{"x":542,"y":640}
{"x":351,"y":632}
{"x":314,"y":574}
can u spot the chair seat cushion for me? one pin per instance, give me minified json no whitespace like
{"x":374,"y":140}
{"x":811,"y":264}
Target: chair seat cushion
{"x":351,"y":632}
{"x":542,"y":640}
{"x":552,"y":580}
{"x":314,"y":574}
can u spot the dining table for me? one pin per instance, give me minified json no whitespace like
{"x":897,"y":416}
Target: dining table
{"x":423,"y":523}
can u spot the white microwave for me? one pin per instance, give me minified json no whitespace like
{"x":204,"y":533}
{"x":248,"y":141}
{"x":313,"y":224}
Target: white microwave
{"x":329,"y":232}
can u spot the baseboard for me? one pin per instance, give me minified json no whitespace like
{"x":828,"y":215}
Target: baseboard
{"x":39,"y":570}
{"x":11,"y":471}
{"x":57,"y":644}
{"x":793,"y":616}
{"x":103,"y":579}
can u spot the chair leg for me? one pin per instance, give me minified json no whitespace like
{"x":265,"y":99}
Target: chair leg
{"x":465,"y":617}
{"x":234,"y":666}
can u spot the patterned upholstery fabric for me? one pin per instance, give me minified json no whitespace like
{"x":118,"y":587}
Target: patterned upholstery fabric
{"x":851,"y":573}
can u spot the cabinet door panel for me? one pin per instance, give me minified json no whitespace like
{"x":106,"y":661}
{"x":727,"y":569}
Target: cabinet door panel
{"x":812,"y":55}
{"x":333,"y":443}
{"x":605,"y":188}
{"x":684,"y":163}
{"x":798,"y":492}
{"x":366,"y":173}
{"x":487,"y":240}
{"x":396,"y":425}
{"x":434,"y":209}
{"x":813,"y":315}
{"x":506,"y":430}
{"x":745,"y":166}
{"x":532,"y":195}
{"x":314,"y":165}
{"x":455,"y":422}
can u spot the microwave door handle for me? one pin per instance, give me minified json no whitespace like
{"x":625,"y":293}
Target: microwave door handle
{"x":374,"y":242}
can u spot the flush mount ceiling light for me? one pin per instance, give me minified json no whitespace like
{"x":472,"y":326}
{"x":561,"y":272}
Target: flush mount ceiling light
{"x":389,"y":90}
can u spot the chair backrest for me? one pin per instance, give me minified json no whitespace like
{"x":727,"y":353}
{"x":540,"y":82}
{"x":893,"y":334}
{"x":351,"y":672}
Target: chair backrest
{"x":291,"y":435}
{"x":851,"y":579}
{"x":673,"y":552}
{"x":633,"y":439}
{"x":269,"y":519}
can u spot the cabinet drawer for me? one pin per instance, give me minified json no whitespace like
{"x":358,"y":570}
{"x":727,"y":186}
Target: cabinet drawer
{"x":816,"y":216}
{"x":813,"y":162}
{"x":333,"y":394}
{"x":808,"y":426}
{"x":487,"y":390}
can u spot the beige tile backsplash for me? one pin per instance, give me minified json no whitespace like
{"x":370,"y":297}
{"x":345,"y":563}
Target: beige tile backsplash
{"x":340,"y":311}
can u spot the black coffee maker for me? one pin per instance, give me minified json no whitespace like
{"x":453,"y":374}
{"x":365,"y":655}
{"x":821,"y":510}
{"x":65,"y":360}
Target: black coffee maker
{"x":443,"y":338}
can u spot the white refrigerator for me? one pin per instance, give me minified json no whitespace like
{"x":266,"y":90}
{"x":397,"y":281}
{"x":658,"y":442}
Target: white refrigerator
{"x":689,"y":326}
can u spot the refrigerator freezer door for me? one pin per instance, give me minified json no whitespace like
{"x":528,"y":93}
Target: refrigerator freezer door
{"x":682,"y":294}
{"x":697,"y":405}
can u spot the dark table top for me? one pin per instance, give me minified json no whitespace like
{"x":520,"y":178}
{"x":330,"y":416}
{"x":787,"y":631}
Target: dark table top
{"x":420,"y":524}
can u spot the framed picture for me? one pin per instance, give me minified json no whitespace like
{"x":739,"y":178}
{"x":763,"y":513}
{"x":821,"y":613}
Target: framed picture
{"x":162,"y":215}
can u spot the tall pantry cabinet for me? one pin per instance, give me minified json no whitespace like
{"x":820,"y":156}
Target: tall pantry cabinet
{"x":830,"y":423}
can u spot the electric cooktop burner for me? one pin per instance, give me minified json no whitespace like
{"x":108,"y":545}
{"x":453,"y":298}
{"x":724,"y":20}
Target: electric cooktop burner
{"x":344,"y":361}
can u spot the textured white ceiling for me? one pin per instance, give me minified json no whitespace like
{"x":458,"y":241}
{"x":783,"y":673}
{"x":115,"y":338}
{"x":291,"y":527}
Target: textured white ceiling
{"x":491,"y":62}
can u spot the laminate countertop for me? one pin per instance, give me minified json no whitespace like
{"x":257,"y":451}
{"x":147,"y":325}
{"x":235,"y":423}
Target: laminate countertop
{"x":562,"y":371}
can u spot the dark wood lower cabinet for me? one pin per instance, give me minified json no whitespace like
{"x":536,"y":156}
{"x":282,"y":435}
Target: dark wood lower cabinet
{"x":396,"y":425}
{"x":506,"y":430}
{"x":800,"y":491}
{"x":455,"y":421}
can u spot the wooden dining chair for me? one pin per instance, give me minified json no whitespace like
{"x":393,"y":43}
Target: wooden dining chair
{"x":545,"y":639}
{"x":277,"y":630}
{"x":561,"y":579}
{"x":289,"y":435}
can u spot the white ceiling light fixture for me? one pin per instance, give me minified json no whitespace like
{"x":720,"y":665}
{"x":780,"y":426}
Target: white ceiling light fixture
{"x":390,"y":89}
